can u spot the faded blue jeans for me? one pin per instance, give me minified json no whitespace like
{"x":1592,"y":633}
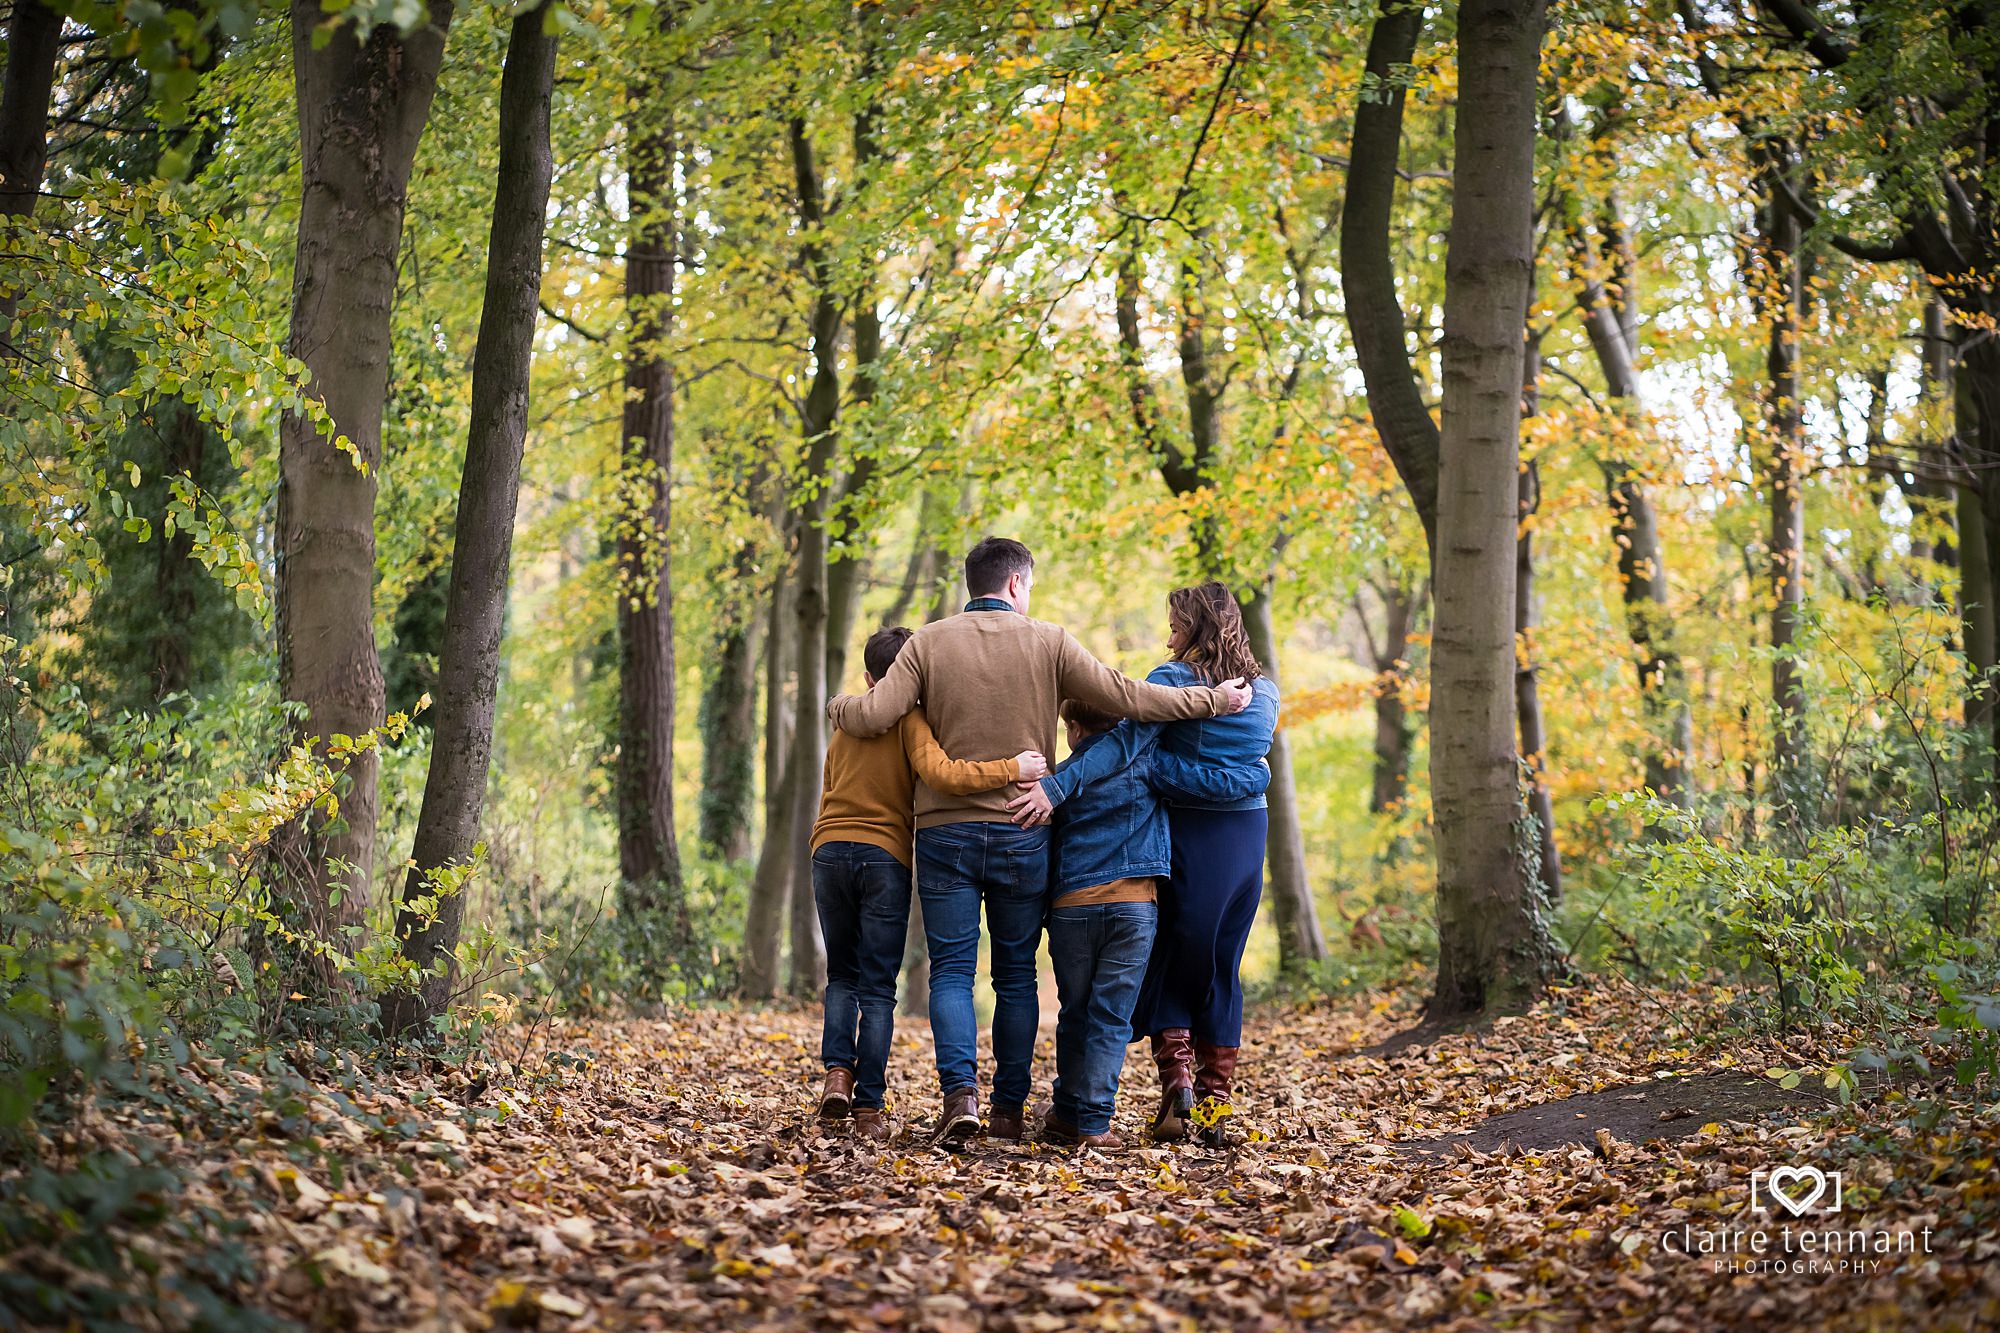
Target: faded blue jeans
{"x":1100,"y":952}
{"x":863,"y":895}
{"x":961,"y":867}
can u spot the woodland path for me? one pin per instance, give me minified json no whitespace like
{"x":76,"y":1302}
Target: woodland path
{"x":666,"y":1173}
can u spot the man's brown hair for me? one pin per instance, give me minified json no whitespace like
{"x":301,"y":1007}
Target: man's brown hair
{"x":990,"y":564}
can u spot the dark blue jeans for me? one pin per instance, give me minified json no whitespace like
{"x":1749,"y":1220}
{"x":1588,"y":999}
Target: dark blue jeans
{"x":960,"y":867}
{"x":1100,"y":954}
{"x":863,"y":895}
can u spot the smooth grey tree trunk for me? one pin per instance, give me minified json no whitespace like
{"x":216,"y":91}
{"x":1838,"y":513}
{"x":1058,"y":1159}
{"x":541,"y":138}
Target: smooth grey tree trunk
{"x":34,"y":39}
{"x":362,"y":108}
{"x":729,"y":726}
{"x":1301,"y":941}
{"x":1531,"y":729}
{"x":652,"y":899}
{"x":482,"y":551}
{"x":1781,"y":290}
{"x":771,"y":885}
{"x":1635,"y":528}
{"x":1389,"y":657}
{"x":1368,"y":270}
{"x":1493,"y":947}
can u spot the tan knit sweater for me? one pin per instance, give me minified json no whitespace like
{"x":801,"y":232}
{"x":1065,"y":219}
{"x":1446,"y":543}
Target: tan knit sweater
{"x":990,"y":682}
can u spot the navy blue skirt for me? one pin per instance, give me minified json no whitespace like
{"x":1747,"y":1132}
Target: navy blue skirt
{"x":1207,"y":907}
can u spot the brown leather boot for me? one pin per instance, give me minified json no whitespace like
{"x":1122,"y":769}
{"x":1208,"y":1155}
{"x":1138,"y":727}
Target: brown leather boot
{"x":838,"y":1094}
{"x":1215,"y":1085}
{"x":870,"y":1123}
{"x":1173,"y":1054}
{"x":959,"y":1121}
{"x":1006,"y":1122}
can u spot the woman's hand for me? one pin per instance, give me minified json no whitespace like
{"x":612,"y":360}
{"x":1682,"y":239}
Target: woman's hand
{"x":1034,"y":767}
{"x":1031,"y":806}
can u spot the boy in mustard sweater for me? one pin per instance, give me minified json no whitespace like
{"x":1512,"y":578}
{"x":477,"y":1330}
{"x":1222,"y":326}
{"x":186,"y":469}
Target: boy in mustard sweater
{"x":861,"y":849}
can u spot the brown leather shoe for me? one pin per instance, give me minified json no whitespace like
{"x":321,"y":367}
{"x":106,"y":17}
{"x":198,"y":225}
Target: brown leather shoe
{"x":959,"y":1120}
{"x":1055,"y":1130}
{"x":1010,"y":1123}
{"x":837,"y":1096}
{"x":1215,"y":1084}
{"x":870,"y":1123}
{"x":1173,"y":1054}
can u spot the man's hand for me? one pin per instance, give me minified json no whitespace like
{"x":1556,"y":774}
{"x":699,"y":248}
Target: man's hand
{"x":1236,"y":696}
{"x":1031,"y":807}
{"x":1032,"y":765}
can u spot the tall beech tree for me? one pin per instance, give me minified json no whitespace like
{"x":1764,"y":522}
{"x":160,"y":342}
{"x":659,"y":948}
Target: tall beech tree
{"x":34,"y":39}
{"x":1368,"y":266}
{"x":1929,"y":196}
{"x":429,"y":921}
{"x":1493,"y":945}
{"x":652,"y":900}
{"x":1608,"y":304}
{"x":362,"y":107}
{"x":1380,"y":332}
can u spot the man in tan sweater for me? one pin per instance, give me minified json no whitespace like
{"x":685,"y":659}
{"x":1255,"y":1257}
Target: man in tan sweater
{"x":991,"y":681}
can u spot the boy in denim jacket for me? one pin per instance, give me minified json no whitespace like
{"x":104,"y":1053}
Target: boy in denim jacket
{"x":1111,"y":846}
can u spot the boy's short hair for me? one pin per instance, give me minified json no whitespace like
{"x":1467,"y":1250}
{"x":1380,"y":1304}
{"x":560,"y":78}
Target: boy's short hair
{"x":1085,"y":718}
{"x":990,"y":564}
{"x":882,"y":649}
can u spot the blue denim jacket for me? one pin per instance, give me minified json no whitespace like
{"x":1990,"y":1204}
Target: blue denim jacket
{"x":1208,"y":763}
{"x":1116,"y":829}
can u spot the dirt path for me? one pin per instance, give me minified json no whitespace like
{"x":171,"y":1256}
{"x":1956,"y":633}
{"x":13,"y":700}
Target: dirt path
{"x":667,"y":1174}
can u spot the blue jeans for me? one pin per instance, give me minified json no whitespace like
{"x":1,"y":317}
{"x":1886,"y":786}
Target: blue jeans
{"x":863,"y":895}
{"x":959,"y":867}
{"x":1100,"y":954}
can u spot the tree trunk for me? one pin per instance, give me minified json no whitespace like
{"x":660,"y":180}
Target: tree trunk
{"x":652,"y":901}
{"x":1301,"y":942}
{"x":177,"y":579}
{"x":778,"y":703}
{"x":916,"y":966}
{"x":1935,"y":502}
{"x":1782,"y":297}
{"x":729,"y":726}
{"x":1392,"y":716}
{"x":819,"y":424}
{"x":362,"y":108}
{"x":848,"y":573}
{"x":1493,"y":947}
{"x":34,"y":39}
{"x":1528,"y":691}
{"x":1635,"y":530}
{"x":1368,"y":268}
{"x":429,"y":921}
{"x":771,"y":886}
{"x":1978,"y":411}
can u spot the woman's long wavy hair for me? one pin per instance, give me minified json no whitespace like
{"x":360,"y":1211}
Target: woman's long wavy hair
{"x":1213,"y":640}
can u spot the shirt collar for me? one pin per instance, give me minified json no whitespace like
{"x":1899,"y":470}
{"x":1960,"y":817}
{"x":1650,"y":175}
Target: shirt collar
{"x":988,"y":604}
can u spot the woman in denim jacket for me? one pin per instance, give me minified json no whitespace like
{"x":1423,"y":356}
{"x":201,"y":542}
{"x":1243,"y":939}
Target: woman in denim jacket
{"x":1212,"y":775}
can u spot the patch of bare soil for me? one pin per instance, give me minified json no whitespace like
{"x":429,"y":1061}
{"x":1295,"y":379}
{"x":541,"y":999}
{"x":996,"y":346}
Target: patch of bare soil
{"x":1666,"y":1108}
